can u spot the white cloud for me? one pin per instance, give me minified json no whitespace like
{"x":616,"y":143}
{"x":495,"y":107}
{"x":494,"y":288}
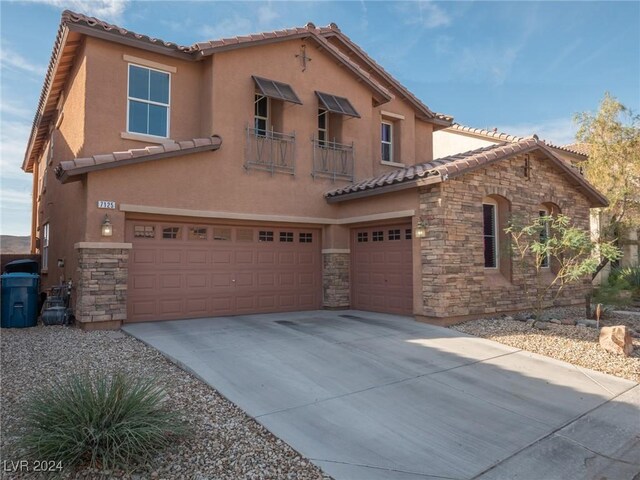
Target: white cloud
{"x":267,"y":14}
{"x":559,"y":131}
{"x":8,"y":107}
{"x":425,"y":13}
{"x":11,"y":60}
{"x":229,"y":27}
{"x":13,"y":138}
{"x":103,"y":9}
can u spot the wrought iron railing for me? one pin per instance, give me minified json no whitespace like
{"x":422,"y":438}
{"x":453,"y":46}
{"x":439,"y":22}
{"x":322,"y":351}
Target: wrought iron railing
{"x":333,"y":160}
{"x":270,"y":151}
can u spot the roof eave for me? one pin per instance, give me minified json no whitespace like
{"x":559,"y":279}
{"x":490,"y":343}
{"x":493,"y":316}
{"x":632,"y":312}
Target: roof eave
{"x":117,"y":37}
{"x":394,"y":187}
{"x":74,"y":174}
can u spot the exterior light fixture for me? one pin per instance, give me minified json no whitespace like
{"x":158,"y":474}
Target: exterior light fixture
{"x":421,"y":229}
{"x":61,"y":263}
{"x":107,"y":228}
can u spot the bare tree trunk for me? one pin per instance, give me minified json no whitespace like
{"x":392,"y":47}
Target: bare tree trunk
{"x":601,"y":265}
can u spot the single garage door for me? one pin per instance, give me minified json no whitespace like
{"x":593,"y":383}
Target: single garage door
{"x":179,"y":270}
{"x":382,"y":269}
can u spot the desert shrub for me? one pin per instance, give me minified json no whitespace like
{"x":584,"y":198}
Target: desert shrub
{"x":629,"y":277}
{"x":102,"y":422}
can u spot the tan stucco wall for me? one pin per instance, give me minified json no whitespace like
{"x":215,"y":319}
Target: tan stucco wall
{"x":447,"y":143}
{"x":107,"y":75}
{"x":218,"y":181}
{"x":64,"y":206}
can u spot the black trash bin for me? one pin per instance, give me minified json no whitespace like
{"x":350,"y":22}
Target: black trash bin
{"x":19,"y":298}
{"x":22,"y":266}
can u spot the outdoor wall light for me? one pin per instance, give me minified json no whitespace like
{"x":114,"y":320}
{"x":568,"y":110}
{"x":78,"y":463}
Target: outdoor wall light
{"x":107,"y":228}
{"x":421,"y":229}
{"x":61,"y":263}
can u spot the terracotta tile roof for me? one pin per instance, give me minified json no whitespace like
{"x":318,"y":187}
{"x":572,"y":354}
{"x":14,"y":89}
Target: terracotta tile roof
{"x":71,"y":170}
{"x":577,"y":149}
{"x":494,"y":134}
{"x":308,"y":31}
{"x":452,"y":166}
{"x":333,"y":31}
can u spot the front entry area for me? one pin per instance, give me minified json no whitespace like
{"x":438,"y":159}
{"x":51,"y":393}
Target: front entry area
{"x":189,"y":270}
{"x":382,"y":269}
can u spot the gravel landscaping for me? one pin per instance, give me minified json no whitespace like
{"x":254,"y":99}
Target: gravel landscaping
{"x":575,"y":344}
{"x":224,"y":442}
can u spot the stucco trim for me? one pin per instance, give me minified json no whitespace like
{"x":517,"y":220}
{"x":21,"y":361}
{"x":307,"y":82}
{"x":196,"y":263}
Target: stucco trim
{"x":111,"y":245}
{"x":256,"y":217}
{"x":336,"y":250}
{"x":149,"y":63}
{"x":376,"y":216}
{"x":183,"y":212}
{"x":140,"y":137}
{"x":384,"y":113}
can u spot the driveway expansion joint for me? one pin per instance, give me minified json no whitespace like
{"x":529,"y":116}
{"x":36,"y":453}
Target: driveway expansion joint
{"x":386,"y":469}
{"x":554,"y":433}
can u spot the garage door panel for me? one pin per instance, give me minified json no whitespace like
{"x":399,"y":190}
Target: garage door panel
{"x":230,"y":272}
{"x":382,"y":270}
{"x":143,"y":256}
{"x":198,"y":280}
{"x":223,"y":257}
{"x":170,"y":281}
{"x":197,"y":258}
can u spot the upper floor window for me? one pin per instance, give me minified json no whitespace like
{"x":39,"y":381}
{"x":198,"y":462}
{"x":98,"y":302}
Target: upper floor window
{"x":386,"y":137}
{"x":489,"y":217}
{"x":323,"y":126}
{"x":45,"y":246}
{"x":261,"y":114}
{"x":148,"y":101}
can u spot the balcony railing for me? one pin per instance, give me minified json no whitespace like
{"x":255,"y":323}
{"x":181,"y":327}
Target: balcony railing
{"x":333,"y":160}
{"x":270,"y":151}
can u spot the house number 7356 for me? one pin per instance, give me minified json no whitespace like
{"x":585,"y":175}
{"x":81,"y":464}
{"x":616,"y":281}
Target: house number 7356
{"x":106,"y":204}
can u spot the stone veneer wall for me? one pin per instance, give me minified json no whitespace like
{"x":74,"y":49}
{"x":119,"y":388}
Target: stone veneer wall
{"x":101,"y":293}
{"x":335,"y":280}
{"x":454,"y":280}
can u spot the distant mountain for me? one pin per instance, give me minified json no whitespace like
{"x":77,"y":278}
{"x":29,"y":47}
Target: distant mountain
{"x":13,"y":244}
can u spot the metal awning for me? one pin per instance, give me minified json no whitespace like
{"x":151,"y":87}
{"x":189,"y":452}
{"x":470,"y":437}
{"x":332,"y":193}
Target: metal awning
{"x":277,"y":90}
{"x":337,"y":104}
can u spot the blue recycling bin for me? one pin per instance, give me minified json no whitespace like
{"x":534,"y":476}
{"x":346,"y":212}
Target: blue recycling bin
{"x":19,"y":300}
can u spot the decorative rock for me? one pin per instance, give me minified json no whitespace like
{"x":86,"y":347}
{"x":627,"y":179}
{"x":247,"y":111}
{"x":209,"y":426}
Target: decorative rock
{"x":508,"y":317}
{"x":531,"y":322}
{"x":616,"y":340}
{"x":568,"y":321}
{"x":587,"y":323}
{"x":541,"y":325}
{"x":555,"y":321}
{"x":581,"y":325}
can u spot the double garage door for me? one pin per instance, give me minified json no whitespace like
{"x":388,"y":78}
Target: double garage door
{"x":180,"y":270}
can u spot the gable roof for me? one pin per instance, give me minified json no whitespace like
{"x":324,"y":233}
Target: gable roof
{"x":332,"y":31}
{"x":446,"y":168}
{"x":74,"y":25}
{"x":575,"y":149}
{"x":70,"y":171}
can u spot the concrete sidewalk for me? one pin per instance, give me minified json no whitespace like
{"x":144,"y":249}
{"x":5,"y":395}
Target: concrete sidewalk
{"x":373,"y":396}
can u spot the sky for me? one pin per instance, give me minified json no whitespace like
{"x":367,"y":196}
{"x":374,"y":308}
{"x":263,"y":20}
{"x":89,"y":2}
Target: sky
{"x":521,"y":67}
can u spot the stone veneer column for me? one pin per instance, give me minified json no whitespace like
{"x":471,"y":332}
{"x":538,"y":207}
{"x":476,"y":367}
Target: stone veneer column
{"x":101,"y":292}
{"x":335,"y":279}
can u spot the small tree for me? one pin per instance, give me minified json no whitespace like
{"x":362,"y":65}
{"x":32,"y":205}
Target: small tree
{"x":552,"y":244}
{"x":612,"y":139}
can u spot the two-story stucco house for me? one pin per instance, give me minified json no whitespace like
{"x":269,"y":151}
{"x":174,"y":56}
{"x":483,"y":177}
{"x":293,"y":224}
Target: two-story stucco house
{"x":266,"y":173}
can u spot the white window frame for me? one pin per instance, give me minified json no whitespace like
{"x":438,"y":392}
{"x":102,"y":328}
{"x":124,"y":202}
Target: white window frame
{"x":150,"y":102}
{"x":256,"y":98}
{"x":494,"y":204}
{"x":323,"y":112}
{"x":390,"y":142}
{"x":544,"y":211}
{"x":45,"y":246}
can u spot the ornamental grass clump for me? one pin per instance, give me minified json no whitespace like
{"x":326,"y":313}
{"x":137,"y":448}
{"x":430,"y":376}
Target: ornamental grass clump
{"x":106,"y":422}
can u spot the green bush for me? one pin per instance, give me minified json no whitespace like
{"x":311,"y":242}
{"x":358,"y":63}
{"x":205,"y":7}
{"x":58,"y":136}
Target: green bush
{"x":628,"y":276}
{"x":106,"y":422}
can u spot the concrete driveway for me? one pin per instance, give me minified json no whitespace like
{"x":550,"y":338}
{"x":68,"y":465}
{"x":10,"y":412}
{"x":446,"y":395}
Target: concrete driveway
{"x":373,"y":396}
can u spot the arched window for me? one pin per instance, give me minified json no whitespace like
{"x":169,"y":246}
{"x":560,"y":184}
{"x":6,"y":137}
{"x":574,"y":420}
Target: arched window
{"x":547,"y":209}
{"x":497,"y":254}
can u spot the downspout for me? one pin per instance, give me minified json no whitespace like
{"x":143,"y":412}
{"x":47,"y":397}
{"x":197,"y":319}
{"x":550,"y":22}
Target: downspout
{"x":34,"y":206}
